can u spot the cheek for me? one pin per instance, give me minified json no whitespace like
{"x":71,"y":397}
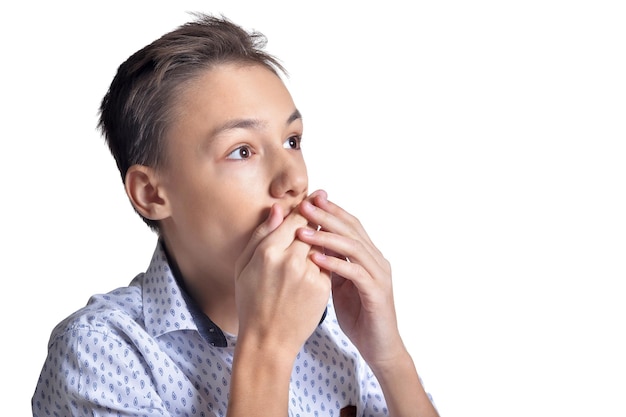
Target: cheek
{"x":234,"y":221}
{"x":228,"y":233}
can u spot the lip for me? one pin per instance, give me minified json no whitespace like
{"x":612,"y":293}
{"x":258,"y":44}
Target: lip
{"x":287,"y":209}
{"x":286,"y":204}
{"x":266,"y":212}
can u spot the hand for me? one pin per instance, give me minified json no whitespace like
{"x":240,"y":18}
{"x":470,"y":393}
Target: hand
{"x":280,"y":292}
{"x":361,"y":279}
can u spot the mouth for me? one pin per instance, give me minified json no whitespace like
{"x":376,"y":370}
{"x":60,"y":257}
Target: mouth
{"x":266,"y":212}
{"x":287,"y":205}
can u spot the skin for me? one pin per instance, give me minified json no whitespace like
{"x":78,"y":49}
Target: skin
{"x":233,"y":205}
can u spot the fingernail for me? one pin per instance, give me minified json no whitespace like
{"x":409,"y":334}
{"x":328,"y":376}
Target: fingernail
{"x":319,"y":256}
{"x":307,"y":232}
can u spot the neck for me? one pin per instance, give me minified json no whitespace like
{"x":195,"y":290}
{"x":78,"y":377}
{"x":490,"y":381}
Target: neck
{"x":214,"y":297}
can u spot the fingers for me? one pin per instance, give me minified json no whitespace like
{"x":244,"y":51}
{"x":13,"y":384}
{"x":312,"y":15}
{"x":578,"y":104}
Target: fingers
{"x":348,"y":250}
{"x":352,"y":241}
{"x":334,"y":218}
{"x":344,"y":256}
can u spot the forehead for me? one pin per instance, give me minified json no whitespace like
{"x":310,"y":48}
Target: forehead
{"x":225,"y":95}
{"x":233,"y":90}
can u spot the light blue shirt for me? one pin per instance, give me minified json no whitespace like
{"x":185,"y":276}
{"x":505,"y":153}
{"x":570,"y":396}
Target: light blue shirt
{"x":147,"y":350}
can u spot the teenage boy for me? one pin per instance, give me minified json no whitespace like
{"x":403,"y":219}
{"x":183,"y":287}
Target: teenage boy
{"x":234,"y":315}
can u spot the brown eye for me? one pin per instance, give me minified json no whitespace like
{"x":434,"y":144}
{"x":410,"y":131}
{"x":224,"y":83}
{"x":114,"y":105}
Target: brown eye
{"x":293,"y":142}
{"x":242,"y":152}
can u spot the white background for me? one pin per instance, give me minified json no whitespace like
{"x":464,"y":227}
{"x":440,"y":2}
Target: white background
{"x":481,"y":143}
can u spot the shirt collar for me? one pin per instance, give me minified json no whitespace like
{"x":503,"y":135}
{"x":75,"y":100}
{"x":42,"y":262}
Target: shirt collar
{"x":171,"y":303}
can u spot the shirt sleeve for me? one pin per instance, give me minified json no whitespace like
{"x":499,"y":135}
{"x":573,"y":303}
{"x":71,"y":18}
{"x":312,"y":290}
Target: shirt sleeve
{"x":372,"y":401}
{"x":92,"y":373}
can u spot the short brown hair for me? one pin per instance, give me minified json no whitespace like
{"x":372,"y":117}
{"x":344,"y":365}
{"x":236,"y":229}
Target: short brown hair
{"x":138,"y":108}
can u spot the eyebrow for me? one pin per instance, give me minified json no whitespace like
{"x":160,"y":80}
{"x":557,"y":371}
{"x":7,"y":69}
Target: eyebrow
{"x":296,"y":115}
{"x":253,"y":123}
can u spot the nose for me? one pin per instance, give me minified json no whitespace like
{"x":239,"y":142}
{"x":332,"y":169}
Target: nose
{"x":290,"y":177}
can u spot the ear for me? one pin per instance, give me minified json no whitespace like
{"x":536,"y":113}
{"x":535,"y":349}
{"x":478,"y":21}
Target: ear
{"x":146,"y":193}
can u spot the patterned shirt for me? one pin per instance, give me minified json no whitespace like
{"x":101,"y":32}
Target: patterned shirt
{"x":148,"y":350}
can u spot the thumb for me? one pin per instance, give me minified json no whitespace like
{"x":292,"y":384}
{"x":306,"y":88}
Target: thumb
{"x":273,"y":220}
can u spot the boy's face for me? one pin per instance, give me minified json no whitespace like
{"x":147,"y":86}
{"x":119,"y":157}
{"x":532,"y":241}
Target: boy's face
{"x":232,"y":152}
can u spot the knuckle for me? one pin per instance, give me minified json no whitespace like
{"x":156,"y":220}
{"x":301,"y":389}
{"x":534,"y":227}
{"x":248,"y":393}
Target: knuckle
{"x":268,"y":254}
{"x":357,"y":270}
{"x":356,"y":246}
{"x":292,"y":264}
{"x":353,"y":220}
{"x":387,"y":266}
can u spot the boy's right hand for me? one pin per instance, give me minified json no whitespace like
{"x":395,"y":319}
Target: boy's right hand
{"x":280,"y":293}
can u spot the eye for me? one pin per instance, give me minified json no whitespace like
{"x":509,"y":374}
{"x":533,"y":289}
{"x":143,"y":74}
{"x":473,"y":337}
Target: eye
{"x":293,"y":142}
{"x":242,"y":152}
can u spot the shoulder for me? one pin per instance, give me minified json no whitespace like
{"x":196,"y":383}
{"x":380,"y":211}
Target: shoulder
{"x":110,"y":314}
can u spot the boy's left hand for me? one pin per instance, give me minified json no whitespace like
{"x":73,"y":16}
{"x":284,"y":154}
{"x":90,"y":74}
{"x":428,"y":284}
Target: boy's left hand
{"x":361,"y":279}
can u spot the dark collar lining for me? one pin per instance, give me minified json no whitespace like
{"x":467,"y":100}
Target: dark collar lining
{"x":207,"y":329}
